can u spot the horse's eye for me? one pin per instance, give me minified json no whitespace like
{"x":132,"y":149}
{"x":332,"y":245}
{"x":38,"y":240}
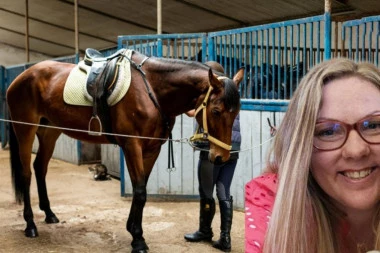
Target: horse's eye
{"x":216,"y":112}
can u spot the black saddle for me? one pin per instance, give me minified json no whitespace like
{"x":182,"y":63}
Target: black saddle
{"x":101,"y":81}
{"x":93,"y":55}
{"x":104,"y":72}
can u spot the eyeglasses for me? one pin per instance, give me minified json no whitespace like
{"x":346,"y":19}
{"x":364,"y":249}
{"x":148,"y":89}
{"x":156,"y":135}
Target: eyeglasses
{"x":331,"y":135}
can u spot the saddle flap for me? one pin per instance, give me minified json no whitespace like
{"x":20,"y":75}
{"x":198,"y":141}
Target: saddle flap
{"x":102,"y":77}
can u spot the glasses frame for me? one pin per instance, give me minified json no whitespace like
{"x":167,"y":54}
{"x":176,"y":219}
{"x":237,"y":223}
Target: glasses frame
{"x":348,"y":127}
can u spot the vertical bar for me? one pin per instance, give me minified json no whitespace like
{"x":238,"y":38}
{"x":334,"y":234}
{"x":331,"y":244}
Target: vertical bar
{"x":267,"y":62}
{"x":279,"y":55}
{"x":370,"y":35}
{"x":291,"y":62}
{"x":350,"y":43}
{"x":304,"y":47}
{"x":159,"y":16}
{"x":311,"y":43}
{"x":363,"y":40}
{"x":122,"y":172}
{"x":327,"y":35}
{"x":76,"y":24}
{"x":159,"y":47}
{"x":357,"y":43}
{"x":256,"y":63}
{"x":273,"y":60}
{"x":318,"y":42}
{"x":261,"y":63}
{"x":377,"y":44}
{"x":3,"y":108}
{"x":210,"y":49}
{"x":298,"y":53}
{"x":285,"y":59}
{"x":27,"y":31}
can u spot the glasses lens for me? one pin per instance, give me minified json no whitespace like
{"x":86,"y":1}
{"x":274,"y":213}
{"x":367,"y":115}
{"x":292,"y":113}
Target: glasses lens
{"x":329,"y":135}
{"x":370,"y":129}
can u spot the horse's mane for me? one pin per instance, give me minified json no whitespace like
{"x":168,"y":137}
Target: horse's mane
{"x":175,"y":64}
{"x":231,"y":96}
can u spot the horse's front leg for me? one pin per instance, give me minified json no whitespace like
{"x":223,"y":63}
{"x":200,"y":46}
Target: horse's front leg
{"x":139,"y":169}
{"x":134,"y":223}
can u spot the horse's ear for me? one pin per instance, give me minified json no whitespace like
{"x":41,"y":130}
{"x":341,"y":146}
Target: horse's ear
{"x":215,"y":83}
{"x":238,"y":77}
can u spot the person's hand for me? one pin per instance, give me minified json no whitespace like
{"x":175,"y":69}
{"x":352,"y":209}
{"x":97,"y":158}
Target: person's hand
{"x":190,"y":113}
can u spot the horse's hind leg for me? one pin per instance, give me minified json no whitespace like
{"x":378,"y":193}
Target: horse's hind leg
{"x":20,"y":153}
{"x":47,"y":139}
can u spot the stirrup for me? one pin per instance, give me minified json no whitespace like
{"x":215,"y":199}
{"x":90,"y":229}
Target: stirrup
{"x":96,"y":133}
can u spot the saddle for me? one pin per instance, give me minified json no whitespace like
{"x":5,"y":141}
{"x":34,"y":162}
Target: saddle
{"x":101,"y":81}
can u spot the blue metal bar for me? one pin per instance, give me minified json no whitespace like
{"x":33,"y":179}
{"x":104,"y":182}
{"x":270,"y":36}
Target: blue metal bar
{"x":363,"y":41}
{"x":357,"y":44}
{"x":285,"y":58}
{"x":377,"y":44}
{"x":264,"y":105}
{"x":318,"y":43}
{"x":327,"y":19}
{"x":256,"y":62}
{"x":370,"y":34}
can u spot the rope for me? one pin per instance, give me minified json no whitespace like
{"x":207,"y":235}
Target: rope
{"x":183,"y":140}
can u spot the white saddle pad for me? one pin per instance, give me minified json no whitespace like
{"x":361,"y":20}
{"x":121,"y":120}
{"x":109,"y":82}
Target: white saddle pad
{"x":75,"y":91}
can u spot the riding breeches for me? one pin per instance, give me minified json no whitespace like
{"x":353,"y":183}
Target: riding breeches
{"x":210,"y":175}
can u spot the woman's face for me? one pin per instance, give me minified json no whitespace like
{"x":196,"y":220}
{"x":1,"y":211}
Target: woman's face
{"x":350,"y":175}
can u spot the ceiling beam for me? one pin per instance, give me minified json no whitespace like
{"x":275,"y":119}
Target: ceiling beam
{"x":241,"y":23}
{"x":57,"y":26}
{"x":111,"y":16}
{"x":37,"y":38}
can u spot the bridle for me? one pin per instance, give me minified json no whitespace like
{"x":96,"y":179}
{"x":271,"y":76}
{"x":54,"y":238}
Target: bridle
{"x":198,"y":135}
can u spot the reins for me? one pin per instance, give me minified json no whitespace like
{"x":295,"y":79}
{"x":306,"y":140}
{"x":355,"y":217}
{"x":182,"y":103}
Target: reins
{"x":198,"y":135}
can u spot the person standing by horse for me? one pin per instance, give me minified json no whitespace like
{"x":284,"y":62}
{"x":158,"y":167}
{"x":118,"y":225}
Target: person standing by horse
{"x":210,"y":175}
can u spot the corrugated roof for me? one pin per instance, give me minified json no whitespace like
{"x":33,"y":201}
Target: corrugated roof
{"x":52,"y":28}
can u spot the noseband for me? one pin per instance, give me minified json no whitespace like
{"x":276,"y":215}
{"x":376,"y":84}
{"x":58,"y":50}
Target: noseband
{"x":205,"y":135}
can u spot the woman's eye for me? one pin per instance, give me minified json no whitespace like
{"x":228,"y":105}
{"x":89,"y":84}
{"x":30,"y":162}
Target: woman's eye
{"x":329,"y":131}
{"x":325,"y":132}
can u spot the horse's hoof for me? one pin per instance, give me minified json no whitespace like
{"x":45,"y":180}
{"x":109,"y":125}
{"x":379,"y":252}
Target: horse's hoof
{"x":31,"y":232}
{"x":51,"y":219}
{"x":139,"y":251}
{"x":139,"y":246}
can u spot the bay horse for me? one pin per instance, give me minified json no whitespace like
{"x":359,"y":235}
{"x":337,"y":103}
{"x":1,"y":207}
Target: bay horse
{"x":160,"y":89}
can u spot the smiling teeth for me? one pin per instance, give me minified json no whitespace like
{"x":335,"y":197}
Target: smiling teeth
{"x":357,"y":174}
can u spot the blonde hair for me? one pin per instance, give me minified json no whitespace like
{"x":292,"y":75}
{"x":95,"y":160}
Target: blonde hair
{"x":302,"y":218}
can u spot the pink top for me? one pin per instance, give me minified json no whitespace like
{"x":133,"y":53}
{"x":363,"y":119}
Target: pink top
{"x":259,"y":199}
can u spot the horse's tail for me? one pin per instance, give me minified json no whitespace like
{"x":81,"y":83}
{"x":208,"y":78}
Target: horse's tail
{"x":16,"y":166}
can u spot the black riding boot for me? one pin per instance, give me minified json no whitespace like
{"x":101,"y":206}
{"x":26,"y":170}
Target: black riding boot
{"x":224,"y":243}
{"x":206,"y":214}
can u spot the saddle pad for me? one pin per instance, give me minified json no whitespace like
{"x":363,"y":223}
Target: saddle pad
{"x":75,"y":91}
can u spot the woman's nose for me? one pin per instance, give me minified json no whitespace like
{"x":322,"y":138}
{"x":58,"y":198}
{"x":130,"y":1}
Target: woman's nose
{"x":355,"y":146}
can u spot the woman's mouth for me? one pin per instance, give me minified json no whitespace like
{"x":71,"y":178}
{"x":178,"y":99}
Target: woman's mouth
{"x":356,"y":175}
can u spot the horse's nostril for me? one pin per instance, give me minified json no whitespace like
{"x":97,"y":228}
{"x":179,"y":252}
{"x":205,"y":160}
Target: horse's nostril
{"x":218,"y":160}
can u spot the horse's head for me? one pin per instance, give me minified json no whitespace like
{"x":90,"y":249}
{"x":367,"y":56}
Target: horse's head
{"x":216,"y":112}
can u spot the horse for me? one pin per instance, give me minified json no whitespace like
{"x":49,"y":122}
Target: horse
{"x":160,"y":89}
